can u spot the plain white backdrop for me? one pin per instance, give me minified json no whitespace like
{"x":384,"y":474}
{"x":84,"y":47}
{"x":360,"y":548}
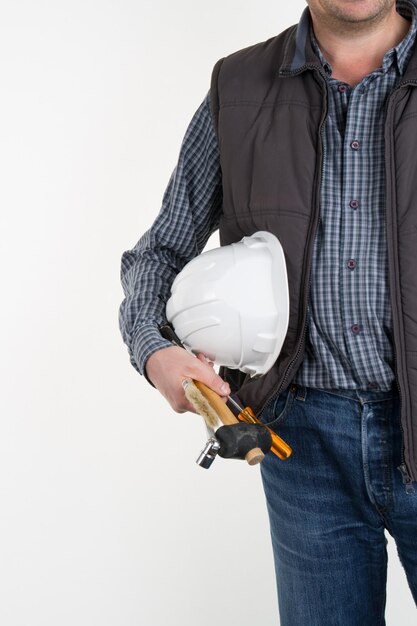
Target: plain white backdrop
{"x":105,"y":518}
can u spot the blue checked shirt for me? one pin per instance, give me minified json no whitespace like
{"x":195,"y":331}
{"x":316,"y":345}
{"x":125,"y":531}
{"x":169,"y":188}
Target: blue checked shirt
{"x":349,"y":339}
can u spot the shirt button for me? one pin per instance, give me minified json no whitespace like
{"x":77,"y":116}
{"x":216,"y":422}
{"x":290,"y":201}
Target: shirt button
{"x":356,"y":329}
{"x":342,"y":88}
{"x":355,"y":145}
{"x":351,"y":264}
{"x":354,"y":204}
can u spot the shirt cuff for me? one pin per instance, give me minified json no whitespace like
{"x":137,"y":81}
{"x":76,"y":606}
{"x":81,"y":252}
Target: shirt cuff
{"x":147,"y":340}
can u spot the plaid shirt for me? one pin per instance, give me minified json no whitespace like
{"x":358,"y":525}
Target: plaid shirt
{"x":349,"y":341}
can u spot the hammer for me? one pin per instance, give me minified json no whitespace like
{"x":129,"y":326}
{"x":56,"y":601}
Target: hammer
{"x":212,"y":408}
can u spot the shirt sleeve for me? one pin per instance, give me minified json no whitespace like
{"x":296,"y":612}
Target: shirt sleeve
{"x":189,"y":214}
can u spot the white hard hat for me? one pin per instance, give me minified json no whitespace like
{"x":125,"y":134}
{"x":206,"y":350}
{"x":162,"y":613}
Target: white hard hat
{"x":232,"y":304}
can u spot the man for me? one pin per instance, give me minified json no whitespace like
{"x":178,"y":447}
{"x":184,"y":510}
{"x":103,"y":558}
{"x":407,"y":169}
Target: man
{"x":312,"y":136}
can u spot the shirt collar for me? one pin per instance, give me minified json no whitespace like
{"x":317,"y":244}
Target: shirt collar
{"x":302,"y":49}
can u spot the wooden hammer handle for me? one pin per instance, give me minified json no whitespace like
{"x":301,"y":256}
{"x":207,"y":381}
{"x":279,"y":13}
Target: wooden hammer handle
{"x":254,"y":456}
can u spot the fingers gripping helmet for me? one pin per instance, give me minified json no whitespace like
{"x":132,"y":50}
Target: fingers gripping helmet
{"x":232,"y":304}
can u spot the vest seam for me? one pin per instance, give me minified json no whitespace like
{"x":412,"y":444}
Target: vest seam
{"x":266,"y":104}
{"x":262,"y":211}
{"x":408,"y":116}
{"x":214,"y":96}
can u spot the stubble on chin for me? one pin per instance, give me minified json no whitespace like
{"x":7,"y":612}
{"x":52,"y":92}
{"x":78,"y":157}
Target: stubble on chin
{"x":350,"y":17}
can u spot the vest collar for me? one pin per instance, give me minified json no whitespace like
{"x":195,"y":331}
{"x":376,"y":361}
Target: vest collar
{"x":299,"y":54}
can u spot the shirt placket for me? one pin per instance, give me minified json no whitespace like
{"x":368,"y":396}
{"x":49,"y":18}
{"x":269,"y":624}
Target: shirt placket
{"x":359,"y":217}
{"x":353,"y":158}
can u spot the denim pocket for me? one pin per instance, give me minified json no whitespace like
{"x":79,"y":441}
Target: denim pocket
{"x":277,"y":408}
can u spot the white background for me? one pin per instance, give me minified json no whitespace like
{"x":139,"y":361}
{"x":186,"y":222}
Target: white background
{"x":105,"y":518}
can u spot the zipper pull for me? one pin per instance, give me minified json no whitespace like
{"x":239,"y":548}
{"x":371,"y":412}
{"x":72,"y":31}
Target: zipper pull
{"x":407,"y":480}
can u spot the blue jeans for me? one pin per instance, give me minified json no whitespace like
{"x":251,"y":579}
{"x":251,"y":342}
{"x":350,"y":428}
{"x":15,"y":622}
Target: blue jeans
{"x":330,"y":502}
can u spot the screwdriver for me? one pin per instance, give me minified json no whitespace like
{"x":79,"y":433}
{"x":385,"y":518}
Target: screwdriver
{"x":279,"y":446}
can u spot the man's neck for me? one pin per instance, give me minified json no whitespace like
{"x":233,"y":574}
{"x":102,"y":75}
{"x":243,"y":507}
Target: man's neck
{"x":354,"y":54}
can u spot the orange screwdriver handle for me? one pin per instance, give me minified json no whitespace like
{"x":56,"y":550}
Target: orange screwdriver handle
{"x":279,"y":447}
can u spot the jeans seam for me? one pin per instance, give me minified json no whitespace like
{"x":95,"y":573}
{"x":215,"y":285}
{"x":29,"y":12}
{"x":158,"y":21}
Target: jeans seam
{"x":388,"y":470}
{"x":384,"y":596}
{"x":365,"y":466}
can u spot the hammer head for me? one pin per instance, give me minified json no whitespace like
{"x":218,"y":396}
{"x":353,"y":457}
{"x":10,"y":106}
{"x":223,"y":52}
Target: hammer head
{"x":208,"y":454}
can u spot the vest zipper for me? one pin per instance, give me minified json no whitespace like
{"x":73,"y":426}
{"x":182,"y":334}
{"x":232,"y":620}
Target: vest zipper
{"x":403,"y":469}
{"x":319,"y":178}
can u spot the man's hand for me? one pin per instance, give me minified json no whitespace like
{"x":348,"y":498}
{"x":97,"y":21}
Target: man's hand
{"x":167,"y":368}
